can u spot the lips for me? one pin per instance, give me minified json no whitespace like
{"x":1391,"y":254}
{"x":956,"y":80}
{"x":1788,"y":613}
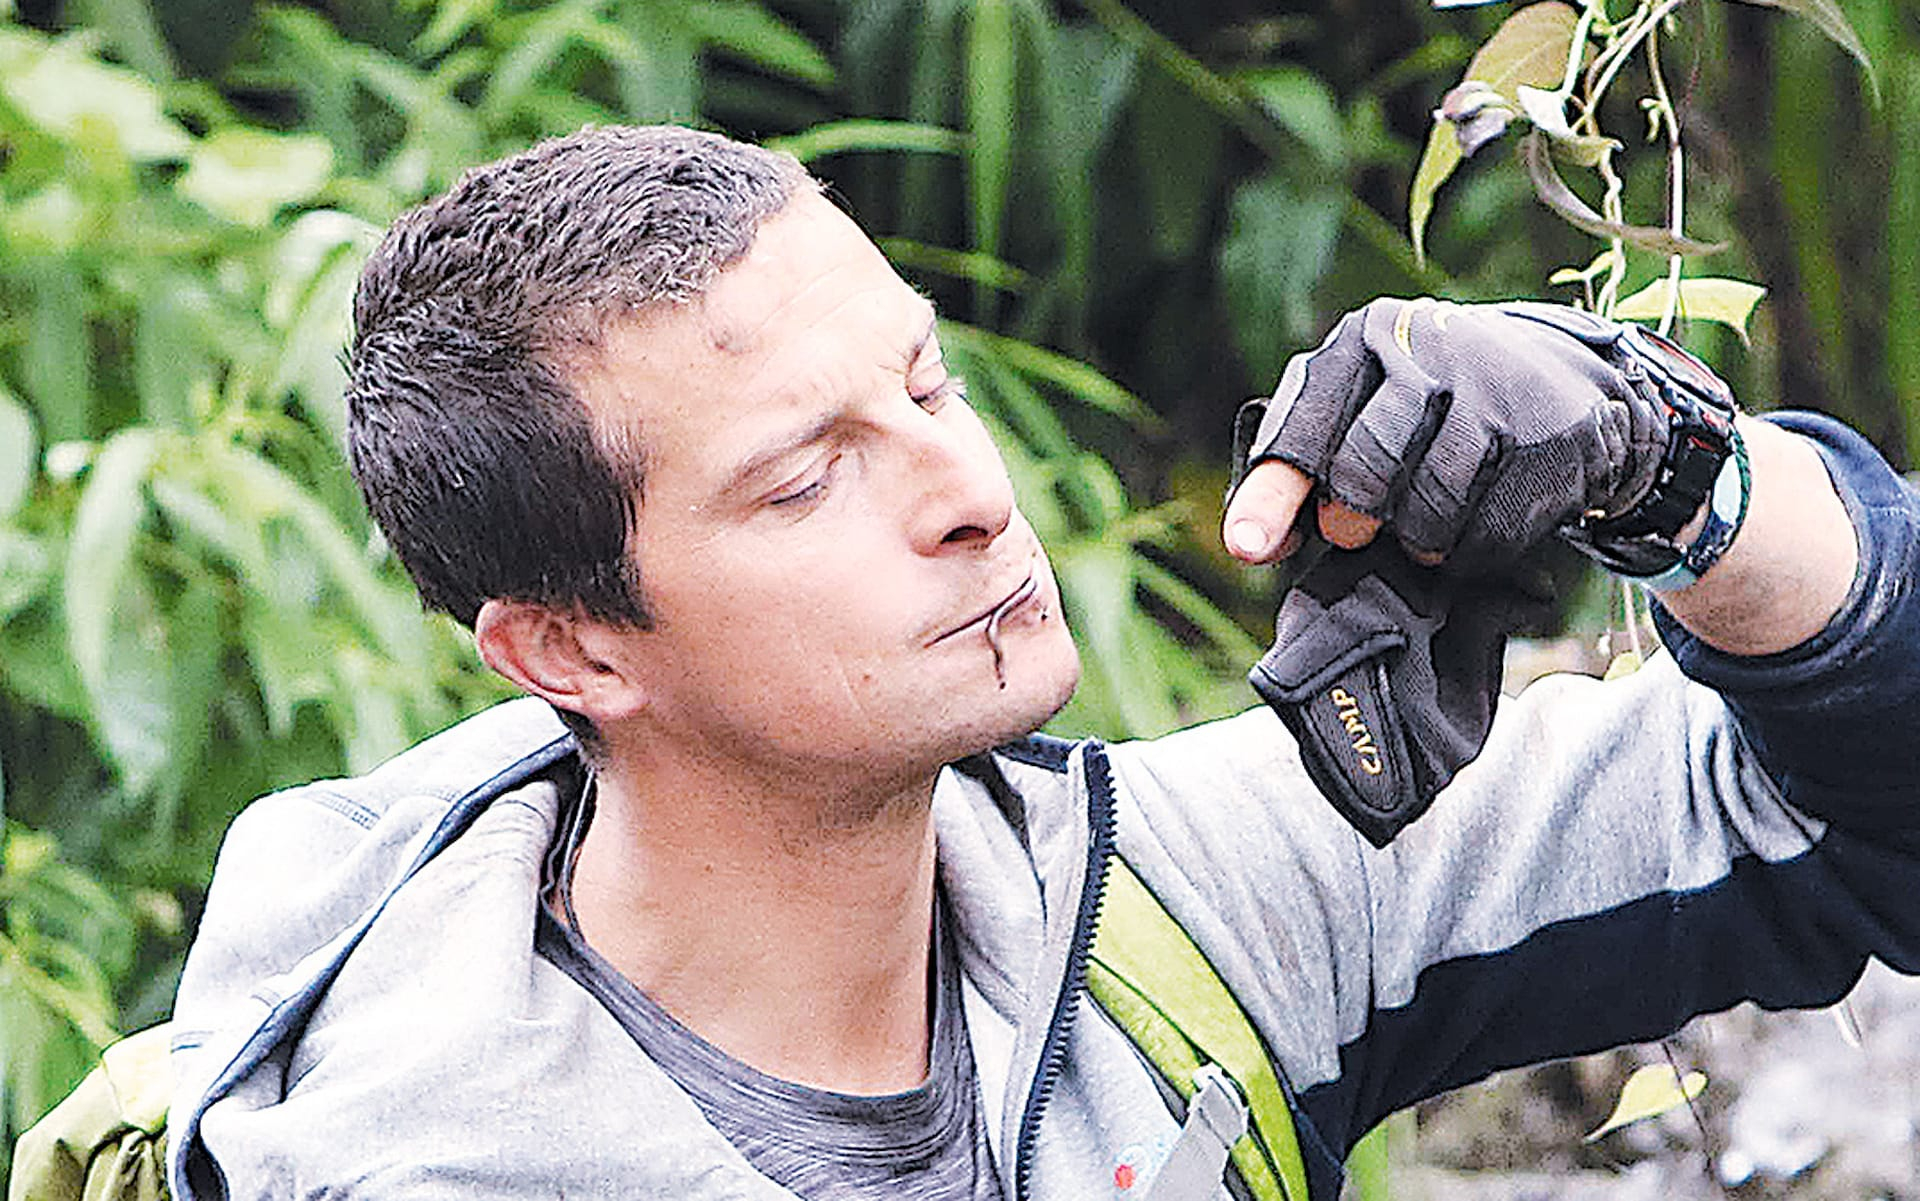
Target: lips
{"x":1025,"y":590}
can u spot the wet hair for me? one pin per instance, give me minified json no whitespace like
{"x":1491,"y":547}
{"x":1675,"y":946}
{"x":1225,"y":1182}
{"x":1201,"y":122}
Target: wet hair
{"x":476,"y":454}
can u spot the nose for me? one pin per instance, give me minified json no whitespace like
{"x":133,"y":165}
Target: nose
{"x":963,"y":497}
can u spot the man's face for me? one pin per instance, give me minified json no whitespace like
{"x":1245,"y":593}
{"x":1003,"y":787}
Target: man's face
{"x":826,"y":526}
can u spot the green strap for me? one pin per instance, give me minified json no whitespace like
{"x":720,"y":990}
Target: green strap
{"x":1159,"y":988}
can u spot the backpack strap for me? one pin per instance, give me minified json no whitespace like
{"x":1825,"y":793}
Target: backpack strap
{"x":107,"y":1140}
{"x":1158,"y":987}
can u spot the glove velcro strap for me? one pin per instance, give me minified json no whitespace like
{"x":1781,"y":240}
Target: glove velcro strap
{"x":1331,"y":686}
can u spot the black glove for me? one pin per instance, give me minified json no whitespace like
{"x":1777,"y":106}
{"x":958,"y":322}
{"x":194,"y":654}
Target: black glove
{"x":1386,"y":672}
{"x":1470,"y":431}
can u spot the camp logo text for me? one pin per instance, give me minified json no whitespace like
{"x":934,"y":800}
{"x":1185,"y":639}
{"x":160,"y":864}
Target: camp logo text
{"x":1347,"y":709}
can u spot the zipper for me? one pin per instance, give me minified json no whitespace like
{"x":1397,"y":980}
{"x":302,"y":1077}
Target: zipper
{"x":1053,"y":1051}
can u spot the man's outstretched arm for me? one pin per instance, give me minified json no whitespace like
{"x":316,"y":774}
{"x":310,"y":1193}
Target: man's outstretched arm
{"x":1783,"y":578}
{"x":1470,"y":432}
{"x":1786,"y":574}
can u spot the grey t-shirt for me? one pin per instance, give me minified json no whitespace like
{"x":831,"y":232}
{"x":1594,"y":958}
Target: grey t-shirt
{"x":926,"y":1144}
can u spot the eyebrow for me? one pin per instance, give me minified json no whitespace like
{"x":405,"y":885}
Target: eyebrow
{"x":766,"y":456}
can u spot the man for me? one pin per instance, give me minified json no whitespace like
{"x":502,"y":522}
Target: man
{"x":663,"y":426}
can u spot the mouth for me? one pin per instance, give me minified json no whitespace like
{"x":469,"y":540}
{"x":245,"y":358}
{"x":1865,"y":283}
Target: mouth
{"x":988,"y":623}
{"x":1007,"y":606}
{"x":988,"y":620}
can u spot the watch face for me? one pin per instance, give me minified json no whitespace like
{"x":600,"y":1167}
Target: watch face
{"x":1680,"y":366}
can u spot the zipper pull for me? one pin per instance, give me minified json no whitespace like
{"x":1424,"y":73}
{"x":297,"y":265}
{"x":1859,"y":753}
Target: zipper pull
{"x":1216,"y":1119}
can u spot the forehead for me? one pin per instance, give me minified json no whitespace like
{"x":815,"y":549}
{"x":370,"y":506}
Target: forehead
{"x":811,"y":311}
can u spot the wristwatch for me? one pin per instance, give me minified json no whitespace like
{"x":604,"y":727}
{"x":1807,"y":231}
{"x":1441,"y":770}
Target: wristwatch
{"x":1701,"y":446}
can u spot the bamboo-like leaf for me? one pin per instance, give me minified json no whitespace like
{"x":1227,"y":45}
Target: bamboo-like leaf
{"x":1536,"y":155}
{"x":910,"y":256}
{"x":1830,"y":19}
{"x":1301,"y":101}
{"x":755,"y":34}
{"x":990,"y":96}
{"x":57,"y":358}
{"x":538,"y":44}
{"x":1077,"y":379}
{"x":1530,"y":47}
{"x":1650,"y":1092}
{"x":451,"y":19}
{"x":844,"y":137}
{"x":1728,"y":301}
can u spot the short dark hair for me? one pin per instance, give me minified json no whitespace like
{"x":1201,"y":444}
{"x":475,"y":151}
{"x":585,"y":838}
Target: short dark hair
{"x":478,"y":458}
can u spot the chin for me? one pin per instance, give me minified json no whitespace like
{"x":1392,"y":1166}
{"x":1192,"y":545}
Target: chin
{"x":1036,"y":690}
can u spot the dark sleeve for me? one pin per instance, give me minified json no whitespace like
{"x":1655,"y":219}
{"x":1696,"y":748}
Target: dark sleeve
{"x":1835,"y":719}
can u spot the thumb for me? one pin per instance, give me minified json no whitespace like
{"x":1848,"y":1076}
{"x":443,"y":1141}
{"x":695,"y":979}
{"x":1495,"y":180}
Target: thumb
{"x":1259,"y":525}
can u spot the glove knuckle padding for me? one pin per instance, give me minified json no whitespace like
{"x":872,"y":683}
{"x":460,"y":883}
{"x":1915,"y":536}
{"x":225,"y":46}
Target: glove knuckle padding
{"x":1477,"y":428}
{"x":1386,"y":440}
{"x":1320,"y":393}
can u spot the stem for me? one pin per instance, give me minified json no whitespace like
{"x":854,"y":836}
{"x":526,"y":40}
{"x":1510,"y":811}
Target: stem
{"x":1576,"y":50}
{"x":1676,"y":185}
{"x":1611,"y":208}
{"x":1616,"y":54}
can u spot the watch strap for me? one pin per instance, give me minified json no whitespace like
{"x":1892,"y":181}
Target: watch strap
{"x":1726,"y":512}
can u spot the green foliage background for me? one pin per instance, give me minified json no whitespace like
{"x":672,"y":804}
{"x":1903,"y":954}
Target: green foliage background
{"x":1130,"y":216}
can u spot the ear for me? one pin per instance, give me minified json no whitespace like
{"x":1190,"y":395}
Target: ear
{"x":551,"y":655}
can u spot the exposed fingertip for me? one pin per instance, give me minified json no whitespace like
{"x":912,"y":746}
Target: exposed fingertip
{"x":1248,"y":539}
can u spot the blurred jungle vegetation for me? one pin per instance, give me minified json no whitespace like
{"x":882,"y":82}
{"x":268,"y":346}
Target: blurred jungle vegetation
{"x":1130,"y":214}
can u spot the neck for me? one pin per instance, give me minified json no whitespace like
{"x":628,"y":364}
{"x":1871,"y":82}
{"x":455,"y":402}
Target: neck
{"x":792,"y":931}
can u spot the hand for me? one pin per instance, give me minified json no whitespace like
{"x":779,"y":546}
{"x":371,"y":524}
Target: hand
{"x":1472,"y":432}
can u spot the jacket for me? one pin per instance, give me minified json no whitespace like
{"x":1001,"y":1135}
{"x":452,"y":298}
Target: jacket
{"x":365,"y":1012}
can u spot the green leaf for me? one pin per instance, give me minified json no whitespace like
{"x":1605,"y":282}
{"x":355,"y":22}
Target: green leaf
{"x":911,"y":256}
{"x":990,"y":93}
{"x":1601,"y":264}
{"x":451,"y":20}
{"x":1077,"y":379}
{"x":286,"y":660}
{"x":52,"y":220}
{"x":1728,"y":301}
{"x":761,"y":38}
{"x":19,"y":451}
{"x":114,"y":631}
{"x":1279,"y":243}
{"x":248,"y":175}
{"x":1530,"y":47}
{"x":131,"y":29}
{"x":25,"y":570}
{"x":536,"y":45}
{"x":1537,"y":156}
{"x":1831,"y":20}
{"x":169,"y":359}
{"x":57,"y":360}
{"x":1180,"y":149}
{"x":79,"y":99}
{"x":843,"y":137}
{"x":321,"y":273}
{"x":1299,"y":100}
{"x":1650,"y":1092}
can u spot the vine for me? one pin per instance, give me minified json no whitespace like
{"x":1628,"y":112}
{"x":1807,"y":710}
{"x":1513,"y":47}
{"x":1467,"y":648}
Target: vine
{"x":1550,"y":67}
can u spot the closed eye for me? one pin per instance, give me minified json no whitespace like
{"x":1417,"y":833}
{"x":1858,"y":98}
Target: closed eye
{"x":950,"y":388}
{"x":809,"y":491}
